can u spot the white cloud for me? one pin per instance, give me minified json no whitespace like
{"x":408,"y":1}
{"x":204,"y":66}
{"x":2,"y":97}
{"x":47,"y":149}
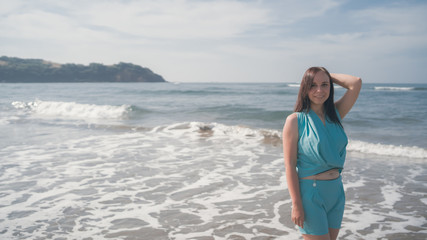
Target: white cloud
{"x":395,"y":19}
{"x":189,"y":40}
{"x":174,"y":19}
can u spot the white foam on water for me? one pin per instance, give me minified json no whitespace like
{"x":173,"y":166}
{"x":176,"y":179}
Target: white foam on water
{"x":391,"y":194}
{"x":388,"y":88}
{"x":294,"y":85}
{"x":73,"y":110}
{"x":387,"y":150}
{"x":361,"y":222}
{"x":191,"y":180}
{"x":361,"y":182}
{"x":70,"y":177}
{"x":297,"y":85}
{"x":245,"y":133}
{"x":382,"y":199}
{"x":4,"y":121}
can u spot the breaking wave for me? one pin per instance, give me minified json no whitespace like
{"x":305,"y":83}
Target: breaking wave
{"x":391,"y":88}
{"x":73,"y":110}
{"x":386,"y":149}
{"x":274,"y":137}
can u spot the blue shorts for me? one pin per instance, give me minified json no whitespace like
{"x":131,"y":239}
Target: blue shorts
{"x":323,"y":202}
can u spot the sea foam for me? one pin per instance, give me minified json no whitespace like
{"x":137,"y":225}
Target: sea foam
{"x":394,"y":88}
{"x":274,"y":136}
{"x":73,"y":110}
{"x":270,"y":136}
{"x":386,"y":150}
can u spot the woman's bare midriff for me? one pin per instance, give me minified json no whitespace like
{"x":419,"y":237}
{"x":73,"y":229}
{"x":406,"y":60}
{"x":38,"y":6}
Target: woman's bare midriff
{"x":328,"y":175}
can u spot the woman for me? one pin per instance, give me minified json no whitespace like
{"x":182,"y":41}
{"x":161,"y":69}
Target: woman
{"x":314,"y":145}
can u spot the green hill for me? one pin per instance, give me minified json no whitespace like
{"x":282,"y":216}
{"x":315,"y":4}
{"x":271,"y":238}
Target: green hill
{"x":37,"y":70}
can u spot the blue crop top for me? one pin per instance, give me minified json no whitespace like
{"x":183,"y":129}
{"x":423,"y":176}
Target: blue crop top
{"x":320,"y":147}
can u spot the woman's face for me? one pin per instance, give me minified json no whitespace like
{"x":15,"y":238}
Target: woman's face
{"x":320,"y":88}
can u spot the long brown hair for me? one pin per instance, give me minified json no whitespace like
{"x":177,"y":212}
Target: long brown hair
{"x":303,"y":102}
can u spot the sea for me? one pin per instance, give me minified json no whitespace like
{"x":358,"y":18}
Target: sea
{"x":201,"y":161}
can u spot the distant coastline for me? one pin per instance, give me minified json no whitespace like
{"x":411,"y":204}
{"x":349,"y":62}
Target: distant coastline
{"x":18,"y":70}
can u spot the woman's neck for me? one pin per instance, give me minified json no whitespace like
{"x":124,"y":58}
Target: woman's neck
{"x":318,"y":109}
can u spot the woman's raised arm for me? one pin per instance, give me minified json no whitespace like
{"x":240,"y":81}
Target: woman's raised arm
{"x":353,"y":85}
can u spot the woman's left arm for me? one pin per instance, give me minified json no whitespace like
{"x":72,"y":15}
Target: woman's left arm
{"x":353,"y":85}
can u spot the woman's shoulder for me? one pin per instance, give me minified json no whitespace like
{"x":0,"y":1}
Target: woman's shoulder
{"x":293,"y":117}
{"x":291,"y":126}
{"x":295,"y":123}
{"x":297,"y":116}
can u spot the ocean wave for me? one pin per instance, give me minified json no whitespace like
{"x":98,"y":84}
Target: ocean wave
{"x":73,"y":110}
{"x":269,"y":136}
{"x":297,"y":85}
{"x":387,"y":150}
{"x":218,"y":130}
{"x":389,"y":88}
{"x":196,"y":92}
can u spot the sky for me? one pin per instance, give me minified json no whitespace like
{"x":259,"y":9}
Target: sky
{"x":381,"y":41}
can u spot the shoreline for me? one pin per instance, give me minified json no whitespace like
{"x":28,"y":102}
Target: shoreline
{"x":199,"y":187}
